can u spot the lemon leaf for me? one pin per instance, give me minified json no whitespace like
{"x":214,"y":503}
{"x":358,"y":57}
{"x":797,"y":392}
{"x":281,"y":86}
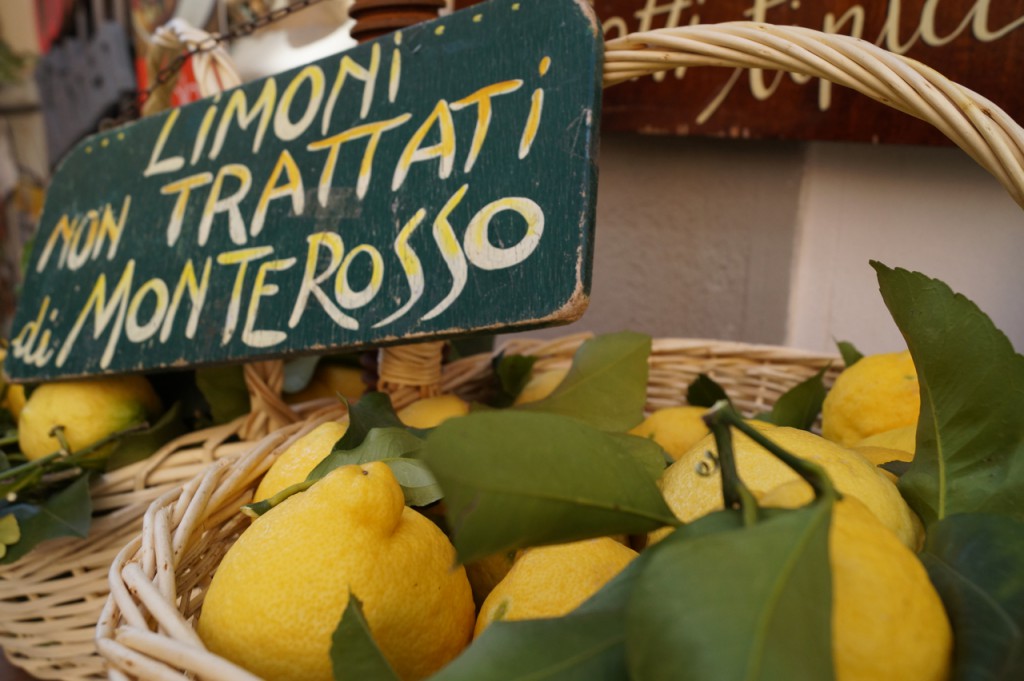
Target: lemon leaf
{"x":583,"y":647}
{"x":224,"y":390}
{"x":354,"y":654}
{"x":976,"y":562}
{"x":704,"y":392}
{"x":376,"y":445}
{"x":512,"y":373}
{"x":606,"y":385}
{"x":799,"y":406}
{"x":717,"y":600}
{"x":68,"y":512}
{"x":970,"y":434}
{"x":513,"y":479}
{"x":850,"y":354}
{"x":417,"y":482}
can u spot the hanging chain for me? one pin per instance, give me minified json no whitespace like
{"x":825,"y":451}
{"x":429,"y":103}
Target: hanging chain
{"x":242,"y":30}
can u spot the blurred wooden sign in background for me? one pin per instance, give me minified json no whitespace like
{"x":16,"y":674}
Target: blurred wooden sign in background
{"x":977,"y":43}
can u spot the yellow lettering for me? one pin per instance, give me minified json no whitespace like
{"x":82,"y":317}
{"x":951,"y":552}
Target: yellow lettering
{"x":197,"y":296}
{"x":242,"y":258}
{"x":532,"y":123}
{"x":183,"y":188}
{"x":104,"y":313}
{"x":333,"y":145}
{"x":31,"y":345}
{"x":311,"y":281}
{"x":64,"y":232}
{"x":292,"y":187}
{"x":368,"y":76}
{"x":349,"y":298}
{"x":263,"y":338}
{"x":166,"y":165}
{"x":444,"y":149}
{"x":448,"y":243}
{"x":477,"y":242}
{"x":215,"y":203}
{"x":484,"y":111}
{"x":238,"y":107}
{"x":284,"y":127}
{"x":112,"y":229}
{"x":135,"y":331}
{"x":411,"y":265}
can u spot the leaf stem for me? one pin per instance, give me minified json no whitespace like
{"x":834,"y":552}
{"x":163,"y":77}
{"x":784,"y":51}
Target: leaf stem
{"x":734,"y":492}
{"x":814,"y":474}
{"x":63,"y":457}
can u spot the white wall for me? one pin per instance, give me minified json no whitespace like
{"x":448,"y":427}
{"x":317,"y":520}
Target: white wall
{"x":927,"y":209}
{"x":770,"y":241}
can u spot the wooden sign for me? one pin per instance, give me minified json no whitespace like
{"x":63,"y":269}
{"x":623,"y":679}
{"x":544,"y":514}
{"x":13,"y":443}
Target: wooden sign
{"x":977,"y":43}
{"x":431,"y":183}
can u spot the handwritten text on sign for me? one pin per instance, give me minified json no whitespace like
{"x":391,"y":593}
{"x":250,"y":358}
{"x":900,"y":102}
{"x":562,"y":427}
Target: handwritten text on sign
{"x":430,"y":183}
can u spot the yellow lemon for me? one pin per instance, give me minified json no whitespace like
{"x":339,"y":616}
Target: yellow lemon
{"x":903,"y":438}
{"x":487,"y":573}
{"x":878,"y":393}
{"x":14,"y":393}
{"x":676,"y":429}
{"x":691,"y":493}
{"x":281,"y":589}
{"x":550,"y":581}
{"x":330,"y":380}
{"x":433,"y":411}
{"x":888,"y":622}
{"x":541,"y":384}
{"x":88,"y":409}
{"x":301,"y":457}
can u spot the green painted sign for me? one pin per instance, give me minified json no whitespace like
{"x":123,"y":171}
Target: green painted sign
{"x":432,"y":183}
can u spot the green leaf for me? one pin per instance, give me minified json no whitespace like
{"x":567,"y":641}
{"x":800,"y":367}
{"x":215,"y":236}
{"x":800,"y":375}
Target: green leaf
{"x":355,"y":656}
{"x":970,"y":434}
{"x":606,"y":385}
{"x":68,"y":512}
{"x":373,"y":410}
{"x":850,"y":354}
{"x":976,"y":562}
{"x":138,"y":446}
{"x":577,"y":647}
{"x":10,"y":533}
{"x":513,"y":479}
{"x":799,"y":406}
{"x":225,"y":391}
{"x":418,"y":483}
{"x":378,"y":443}
{"x":648,"y":453}
{"x":512,"y":373}
{"x":704,"y":392}
{"x":720,"y":601}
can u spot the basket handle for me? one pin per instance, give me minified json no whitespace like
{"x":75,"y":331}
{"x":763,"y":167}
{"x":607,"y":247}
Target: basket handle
{"x":976,"y":125}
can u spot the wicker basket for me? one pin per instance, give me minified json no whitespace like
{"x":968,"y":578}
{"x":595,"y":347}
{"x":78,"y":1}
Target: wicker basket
{"x":51,"y":598}
{"x":158,"y":581}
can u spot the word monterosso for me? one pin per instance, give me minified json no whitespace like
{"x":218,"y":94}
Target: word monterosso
{"x":217,"y":210}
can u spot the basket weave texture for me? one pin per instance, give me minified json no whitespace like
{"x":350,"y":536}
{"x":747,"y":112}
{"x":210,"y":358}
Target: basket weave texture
{"x":51,"y":598}
{"x":157,"y":582}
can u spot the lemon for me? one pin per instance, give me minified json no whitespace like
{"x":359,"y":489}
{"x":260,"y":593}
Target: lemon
{"x":281,"y":589}
{"x":486,"y":573}
{"x":541,"y":384}
{"x":301,"y":457}
{"x":878,"y":393}
{"x":330,"y":380}
{"x":690,"y":494}
{"x":433,"y":411}
{"x":88,"y":409}
{"x":903,"y":438}
{"x":676,"y":429}
{"x":14,"y":397}
{"x":550,"y":581}
{"x":888,"y":622}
